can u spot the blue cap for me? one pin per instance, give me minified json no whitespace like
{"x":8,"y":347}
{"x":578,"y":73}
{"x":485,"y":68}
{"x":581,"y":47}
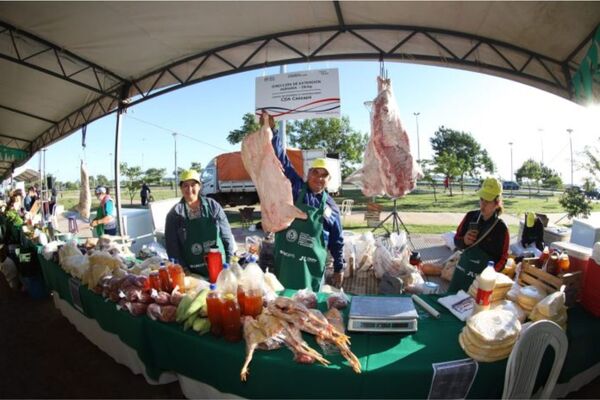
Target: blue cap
{"x":252,"y":258}
{"x":213,"y":286}
{"x":225,"y":265}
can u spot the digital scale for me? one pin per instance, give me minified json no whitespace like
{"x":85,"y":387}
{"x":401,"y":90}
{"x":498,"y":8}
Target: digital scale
{"x":382,"y":314}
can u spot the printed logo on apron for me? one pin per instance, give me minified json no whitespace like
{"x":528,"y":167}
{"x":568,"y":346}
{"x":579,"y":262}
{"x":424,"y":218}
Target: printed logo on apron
{"x":306,"y":241}
{"x":291,"y":235}
{"x":196,"y":249}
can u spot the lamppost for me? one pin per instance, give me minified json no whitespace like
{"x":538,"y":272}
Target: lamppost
{"x":541,"y":131}
{"x":416,"y":114}
{"x":176,"y":176}
{"x":511,"y":166}
{"x":571,"y":146}
{"x":112,"y":166}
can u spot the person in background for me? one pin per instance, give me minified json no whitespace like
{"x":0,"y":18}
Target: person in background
{"x":483,"y":237}
{"x":30,"y":198}
{"x":194,"y":225}
{"x":105,"y":221}
{"x":8,"y":268}
{"x":533,"y":232}
{"x":144,"y":193}
{"x":53,"y":194}
{"x":300,"y":266}
{"x":446,"y":183}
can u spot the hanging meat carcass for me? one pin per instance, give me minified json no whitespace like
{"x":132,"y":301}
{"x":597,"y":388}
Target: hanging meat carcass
{"x":85,"y":197}
{"x":274,"y":189}
{"x":388,"y":167}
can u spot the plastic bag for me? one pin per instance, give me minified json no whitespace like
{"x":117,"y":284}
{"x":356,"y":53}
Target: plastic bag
{"x":306,"y":297}
{"x":338,"y":300}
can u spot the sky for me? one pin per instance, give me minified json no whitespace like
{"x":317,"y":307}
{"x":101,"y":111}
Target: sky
{"x":495,"y":111}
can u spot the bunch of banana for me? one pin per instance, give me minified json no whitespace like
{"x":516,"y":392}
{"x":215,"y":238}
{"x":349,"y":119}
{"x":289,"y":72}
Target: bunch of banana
{"x":192,"y":313}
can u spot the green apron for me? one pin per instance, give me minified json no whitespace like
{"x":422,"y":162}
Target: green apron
{"x":200,"y":234}
{"x":300,"y":252}
{"x":472,"y":261}
{"x":101,"y":213}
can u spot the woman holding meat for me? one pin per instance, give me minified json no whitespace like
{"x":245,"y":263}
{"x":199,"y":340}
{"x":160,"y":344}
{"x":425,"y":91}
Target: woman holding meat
{"x":301,"y":249}
{"x":194,"y":225}
{"x":482,"y":236}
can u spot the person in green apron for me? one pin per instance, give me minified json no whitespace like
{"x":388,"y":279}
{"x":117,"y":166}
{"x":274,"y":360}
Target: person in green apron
{"x":105,"y":221}
{"x":301,"y":250}
{"x":482,"y":236}
{"x":194,"y":225}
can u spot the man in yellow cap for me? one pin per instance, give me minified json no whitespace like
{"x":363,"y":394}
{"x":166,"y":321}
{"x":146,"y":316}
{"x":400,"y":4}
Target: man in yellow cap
{"x":301,"y":250}
{"x":533,"y":232}
{"x":483,"y":237}
{"x":196,"y":224}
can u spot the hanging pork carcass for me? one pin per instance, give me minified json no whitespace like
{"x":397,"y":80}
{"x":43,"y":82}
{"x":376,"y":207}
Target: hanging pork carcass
{"x":274,"y":189}
{"x":388,"y":167}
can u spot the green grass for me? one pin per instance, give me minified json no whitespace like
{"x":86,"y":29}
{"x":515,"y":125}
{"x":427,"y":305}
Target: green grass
{"x":421,"y":200}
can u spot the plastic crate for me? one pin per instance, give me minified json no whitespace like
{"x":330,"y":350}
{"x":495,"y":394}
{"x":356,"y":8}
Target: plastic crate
{"x":35,"y":286}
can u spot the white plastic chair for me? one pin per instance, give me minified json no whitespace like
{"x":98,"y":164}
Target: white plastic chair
{"x":526,"y":357}
{"x":346,"y":208}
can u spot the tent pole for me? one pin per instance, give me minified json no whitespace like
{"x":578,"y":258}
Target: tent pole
{"x":118,"y":169}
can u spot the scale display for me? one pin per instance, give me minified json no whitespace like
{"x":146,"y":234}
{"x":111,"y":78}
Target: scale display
{"x":382,"y":314}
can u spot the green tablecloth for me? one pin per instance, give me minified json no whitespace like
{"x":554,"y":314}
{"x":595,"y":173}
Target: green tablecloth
{"x":394,"y":365}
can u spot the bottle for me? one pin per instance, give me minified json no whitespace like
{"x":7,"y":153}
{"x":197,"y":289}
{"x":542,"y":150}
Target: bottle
{"x":154,"y":280}
{"x":253,"y":289}
{"x":231,"y":317}
{"x":227,"y":282}
{"x":563,"y":263}
{"x":214,"y":263}
{"x":165,"y":282}
{"x":552,"y":265}
{"x":545,"y":256}
{"x":177,"y":276}
{"x":214,"y":308}
{"x":485,"y":286}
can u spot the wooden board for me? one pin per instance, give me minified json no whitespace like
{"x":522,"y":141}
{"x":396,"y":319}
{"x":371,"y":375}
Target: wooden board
{"x":532,"y":275}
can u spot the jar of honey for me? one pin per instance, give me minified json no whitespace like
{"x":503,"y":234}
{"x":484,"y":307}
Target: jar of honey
{"x":231,"y":318}
{"x":563,"y":263}
{"x":177,"y":276}
{"x":253,"y":302}
{"x":165,"y":281}
{"x":154,"y":280}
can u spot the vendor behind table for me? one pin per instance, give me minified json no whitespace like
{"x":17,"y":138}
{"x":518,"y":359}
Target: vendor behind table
{"x":307,"y":266}
{"x":488,"y":243}
{"x":105,"y":221}
{"x":194,"y":225}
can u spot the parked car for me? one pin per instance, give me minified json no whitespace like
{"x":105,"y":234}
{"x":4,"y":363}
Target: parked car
{"x":593,"y":194}
{"x":510,"y":185}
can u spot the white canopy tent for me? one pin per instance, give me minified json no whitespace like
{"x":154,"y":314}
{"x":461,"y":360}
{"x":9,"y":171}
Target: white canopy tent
{"x":66,"y":64}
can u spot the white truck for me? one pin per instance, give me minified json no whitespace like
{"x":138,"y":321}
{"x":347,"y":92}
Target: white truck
{"x":225,"y":179}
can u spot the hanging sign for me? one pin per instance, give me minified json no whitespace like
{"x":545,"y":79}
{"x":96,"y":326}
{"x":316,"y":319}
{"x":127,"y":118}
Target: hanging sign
{"x":299,"y":95}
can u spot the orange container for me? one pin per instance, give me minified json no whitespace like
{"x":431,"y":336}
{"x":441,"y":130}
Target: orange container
{"x":214,"y":308}
{"x":253,"y":303}
{"x":231,"y":317}
{"x":590,"y":298}
{"x":177,"y":276}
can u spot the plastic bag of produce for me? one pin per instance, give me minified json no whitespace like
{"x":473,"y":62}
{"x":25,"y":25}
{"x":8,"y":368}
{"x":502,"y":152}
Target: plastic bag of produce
{"x":306,"y":297}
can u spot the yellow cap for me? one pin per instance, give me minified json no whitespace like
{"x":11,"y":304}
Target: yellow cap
{"x":189,"y":174}
{"x":530,"y":220}
{"x":490,"y":189}
{"x":319,"y":163}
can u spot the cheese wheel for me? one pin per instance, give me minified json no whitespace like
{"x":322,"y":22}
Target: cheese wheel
{"x":476,"y":342}
{"x":495,"y":326}
{"x":475,"y":355}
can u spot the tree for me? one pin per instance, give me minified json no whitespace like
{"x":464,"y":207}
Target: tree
{"x":428,"y":168}
{"x":470,"y":157}
{"x":134,"y":180}
{"x":574,"y":202}
{"x":334,"y":136}
{"x":532,"y":170}
{"x":249,"y":125}
{"x":154,"y":175}
{"x":102,"y":180}
{"x":449,"y":165}
{"x":196,"y":166}
{"x":550,"y":178}
{"x":592,"y":161}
